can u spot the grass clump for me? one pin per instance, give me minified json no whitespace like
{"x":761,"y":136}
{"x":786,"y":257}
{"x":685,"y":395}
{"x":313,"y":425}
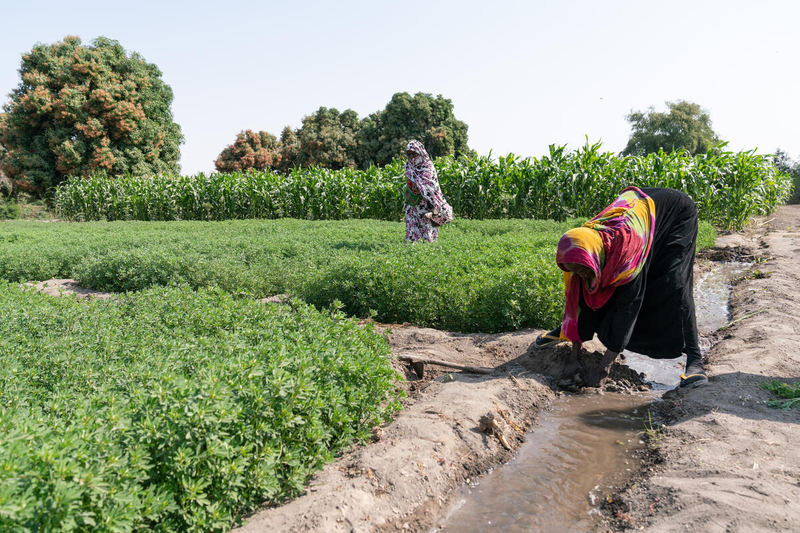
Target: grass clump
{"x":653,"y":433}
{"x":174,"y":410}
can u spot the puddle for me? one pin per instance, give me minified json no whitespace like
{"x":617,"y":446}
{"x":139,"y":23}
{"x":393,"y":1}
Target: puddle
{"x":584,"y":446}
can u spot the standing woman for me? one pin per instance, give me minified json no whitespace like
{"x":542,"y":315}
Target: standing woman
{"x":628,"y":276}
{"x":425,"y":208}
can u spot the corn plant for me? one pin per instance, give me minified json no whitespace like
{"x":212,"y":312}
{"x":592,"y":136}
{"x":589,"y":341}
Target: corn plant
{"x":728,"y":189}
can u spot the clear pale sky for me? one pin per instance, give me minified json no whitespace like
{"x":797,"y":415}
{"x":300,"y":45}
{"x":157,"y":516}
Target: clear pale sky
{"x":522,"y":75}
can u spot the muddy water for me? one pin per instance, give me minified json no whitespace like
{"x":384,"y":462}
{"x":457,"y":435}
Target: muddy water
{"x":711,"y":306}
{"x":580,"y":448}
{"x":583,"y":447}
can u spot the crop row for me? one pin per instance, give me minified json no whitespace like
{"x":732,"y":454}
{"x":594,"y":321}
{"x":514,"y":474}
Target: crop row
{"x":486,"y":276}
{"x":172,"y":409}
{"x":728,"y":187}
{"x":183,"y":404}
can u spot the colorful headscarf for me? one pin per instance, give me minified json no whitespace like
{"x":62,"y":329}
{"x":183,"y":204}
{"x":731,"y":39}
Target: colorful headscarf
{"x":614,"y":244}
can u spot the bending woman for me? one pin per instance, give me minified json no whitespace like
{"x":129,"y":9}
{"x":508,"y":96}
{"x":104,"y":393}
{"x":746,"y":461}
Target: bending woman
{"x":426,"y":208}
{"x":628,"y":275}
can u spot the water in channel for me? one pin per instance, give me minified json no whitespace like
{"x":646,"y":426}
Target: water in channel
{"x":581,"y":448}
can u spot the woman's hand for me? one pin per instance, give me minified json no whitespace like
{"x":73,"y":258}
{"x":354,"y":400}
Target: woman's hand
{"x":574,"y":364}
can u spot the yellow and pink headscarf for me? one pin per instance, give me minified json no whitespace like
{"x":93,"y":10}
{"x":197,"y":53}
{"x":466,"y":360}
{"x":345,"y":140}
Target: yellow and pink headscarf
{"x":614,"y":244}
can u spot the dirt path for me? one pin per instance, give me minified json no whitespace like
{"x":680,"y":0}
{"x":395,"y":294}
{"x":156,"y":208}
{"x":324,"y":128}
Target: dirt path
{"x":727,"y":462}
{"x":436,"y":444}
{"x":58,"y":286}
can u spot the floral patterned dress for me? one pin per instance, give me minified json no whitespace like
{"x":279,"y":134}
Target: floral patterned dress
{"x":423,"y":195}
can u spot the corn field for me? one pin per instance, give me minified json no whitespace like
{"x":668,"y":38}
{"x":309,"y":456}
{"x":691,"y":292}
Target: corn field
{"x":728,"y":188}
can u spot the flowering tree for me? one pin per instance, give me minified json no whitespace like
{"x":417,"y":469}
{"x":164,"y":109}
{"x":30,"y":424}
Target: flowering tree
{"x":332,"y":139}
{"x":83,"y":109}
{"x":250,"y":151}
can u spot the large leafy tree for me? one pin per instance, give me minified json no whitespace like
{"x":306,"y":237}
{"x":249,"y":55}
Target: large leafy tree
{"x":685,"y":127}
{"x":429,"y":119}
{"x":328,"y":139}
{"x":288,"y":149}
{"x":250,"y":151}
{"x":82,"y":109}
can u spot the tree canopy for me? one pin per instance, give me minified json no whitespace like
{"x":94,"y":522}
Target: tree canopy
{"x":790,"y":167}
{"x":250,"y":151}
{"x":328,"y":139}
{"x":336,"y":140}
{"x":685,"y":127}
{"x":82,"y":109}
{"x":430,"y":120}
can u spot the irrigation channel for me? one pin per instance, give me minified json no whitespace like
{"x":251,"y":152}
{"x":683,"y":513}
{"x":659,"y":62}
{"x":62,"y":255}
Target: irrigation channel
{"x":584,"y":446}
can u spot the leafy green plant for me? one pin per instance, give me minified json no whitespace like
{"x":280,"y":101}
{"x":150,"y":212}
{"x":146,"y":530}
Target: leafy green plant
{"x":174,"y":410}
{"x":789,"y":391}
{"x":9,"y":209}
{"x":653,"y":433}
{"x":495,"y":275}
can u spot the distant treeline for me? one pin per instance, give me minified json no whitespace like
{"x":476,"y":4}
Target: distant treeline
{"x":334,"y":140}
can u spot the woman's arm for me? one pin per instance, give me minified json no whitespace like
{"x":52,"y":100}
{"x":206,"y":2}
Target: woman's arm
{"x":429,"y":187}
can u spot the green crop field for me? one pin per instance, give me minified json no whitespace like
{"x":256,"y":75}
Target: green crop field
{"x":172,"y":409}
{"x":729,"y":188}
{"x":184,"y":402}
{"x":480,"y":276}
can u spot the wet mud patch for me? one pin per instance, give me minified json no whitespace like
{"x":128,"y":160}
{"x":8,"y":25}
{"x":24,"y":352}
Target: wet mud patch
{"x":735,"y":252}
{"x":554,"y":362}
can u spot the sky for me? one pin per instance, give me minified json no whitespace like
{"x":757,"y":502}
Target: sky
{"x":522,"y":74}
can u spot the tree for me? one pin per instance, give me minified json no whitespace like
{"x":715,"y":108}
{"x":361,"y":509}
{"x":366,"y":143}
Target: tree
{"x":686,"y":127}
{"x":288,"y":149}
{"x":328,"y":139}
{"x":384,"y":134}
{"x":250,"y":151}
{"x":82,"y":109}
{"x":786,"y":165}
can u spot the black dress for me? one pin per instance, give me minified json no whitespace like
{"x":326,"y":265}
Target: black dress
{"x":654,"y":313}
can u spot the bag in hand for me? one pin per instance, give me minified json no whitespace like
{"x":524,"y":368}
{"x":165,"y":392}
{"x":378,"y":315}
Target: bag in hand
{"x":440,"y":217}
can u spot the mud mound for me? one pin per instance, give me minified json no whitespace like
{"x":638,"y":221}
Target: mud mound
{"x":554,"y":361}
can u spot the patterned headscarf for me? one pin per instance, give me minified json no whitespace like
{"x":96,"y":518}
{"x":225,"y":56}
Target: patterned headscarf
{"x":421,"y":162}
{"x":614,"y":244}
{"x":420,"y":172}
